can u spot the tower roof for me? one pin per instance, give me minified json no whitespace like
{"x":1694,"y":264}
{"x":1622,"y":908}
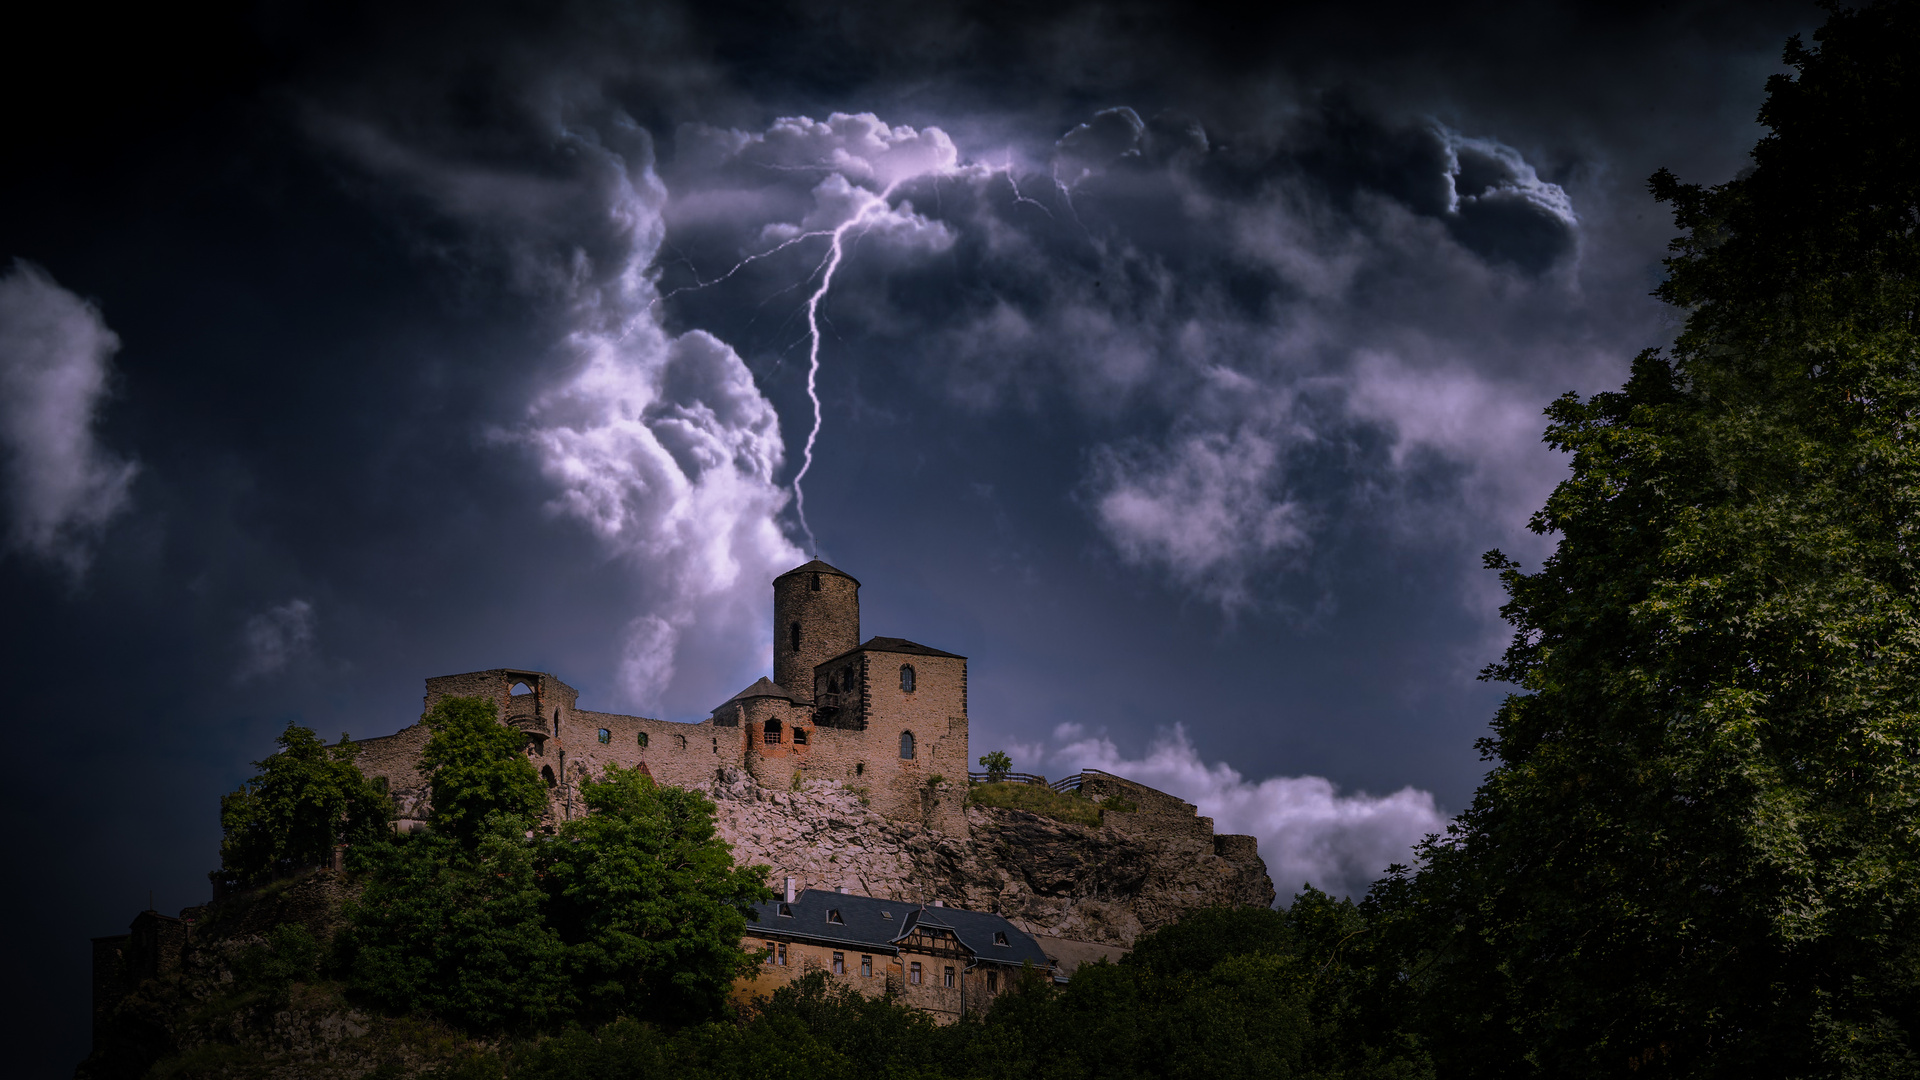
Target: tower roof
{"x":762,"y":687}
{"x":819,"y":567}
{"x":894,"y":645}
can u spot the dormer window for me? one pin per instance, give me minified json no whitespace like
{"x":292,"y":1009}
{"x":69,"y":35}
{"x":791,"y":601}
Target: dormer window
{"x":1000,"y":939}
{"x":833,"y":916}
{"x":906,"y":678}
{"x":786,"y":911}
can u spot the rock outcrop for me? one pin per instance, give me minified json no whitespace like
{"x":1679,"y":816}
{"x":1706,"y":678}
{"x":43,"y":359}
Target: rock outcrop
{"x":1135,"y":872}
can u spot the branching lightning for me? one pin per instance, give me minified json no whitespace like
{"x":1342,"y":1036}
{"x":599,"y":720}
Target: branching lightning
{"x":822,"y":275}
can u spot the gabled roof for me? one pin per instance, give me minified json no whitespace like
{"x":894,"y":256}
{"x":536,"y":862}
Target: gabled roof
{"x":818,"y":567}
{"x":874,"y":925}
{"x":893,"y":645}
{"x":977,"y":930}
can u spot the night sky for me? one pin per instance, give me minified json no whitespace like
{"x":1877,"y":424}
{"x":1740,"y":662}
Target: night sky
{"x":1175,"y":367}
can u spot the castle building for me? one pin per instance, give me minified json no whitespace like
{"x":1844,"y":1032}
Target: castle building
{"x":886,"y":716}
{"x":945,"y":961}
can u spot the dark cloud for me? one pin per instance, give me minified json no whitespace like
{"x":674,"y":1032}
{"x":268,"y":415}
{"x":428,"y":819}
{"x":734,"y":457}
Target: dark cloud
{"x":1179,"y":381}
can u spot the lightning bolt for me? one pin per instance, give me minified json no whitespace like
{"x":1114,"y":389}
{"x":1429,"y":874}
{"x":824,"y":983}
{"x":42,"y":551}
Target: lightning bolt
{"x":822,"y":275}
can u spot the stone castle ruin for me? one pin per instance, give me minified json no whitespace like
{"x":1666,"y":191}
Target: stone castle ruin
{"x":848,"y":770}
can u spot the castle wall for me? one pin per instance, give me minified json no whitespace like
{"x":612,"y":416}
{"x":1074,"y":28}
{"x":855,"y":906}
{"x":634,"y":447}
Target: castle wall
{"x":935,"y":712}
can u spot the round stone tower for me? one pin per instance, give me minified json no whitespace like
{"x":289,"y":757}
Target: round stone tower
{"x":816,"y":617}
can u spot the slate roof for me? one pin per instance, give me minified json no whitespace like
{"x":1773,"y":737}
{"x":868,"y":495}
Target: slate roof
{"x":893,"y":645}
{"x":818,"y":567}
{"x":866,"y":927}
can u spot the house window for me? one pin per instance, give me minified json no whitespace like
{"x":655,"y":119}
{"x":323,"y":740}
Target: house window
{"x":793,"y":637}
{"x":833,"y":916}
{"x":606,"y":736}
{"x":949,"y":977}
{"x":913,"y":974}
{"x":866,"y":967}
{"x":906,"y":744}
{"x":839,"y":963}
{"x":993,"y":981}
{"x":799,"y":736}
{"x":781,"y":948}
{"x":1000,"y":939}
{"x":786,"y":911}
{"x":772,"y":734}
{"x":906,"y":677}
{"x":643,"y":740}
{"x":771,"y":956}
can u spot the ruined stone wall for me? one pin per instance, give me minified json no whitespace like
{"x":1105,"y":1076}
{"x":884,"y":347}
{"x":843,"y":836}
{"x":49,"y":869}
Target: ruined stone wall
{"x":396,"y":759}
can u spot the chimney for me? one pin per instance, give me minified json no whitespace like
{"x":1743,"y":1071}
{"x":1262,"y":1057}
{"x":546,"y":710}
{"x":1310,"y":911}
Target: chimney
{"x":843,"y":890}
{"x":789,"y":888}
{"x":939,"y":903}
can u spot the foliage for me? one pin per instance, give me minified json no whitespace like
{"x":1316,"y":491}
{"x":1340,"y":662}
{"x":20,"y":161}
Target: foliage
{"x":306,"y":798}
{"x":1036,"y":799}
{"x":456,"y":931}
{"x":648,"y":899}
{"x":997,"y":764}
{"x":475,"y":769}
{"x":1698,"y":850}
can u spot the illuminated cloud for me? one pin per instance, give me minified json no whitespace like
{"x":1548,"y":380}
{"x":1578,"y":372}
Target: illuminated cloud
{"x":62,"y":487}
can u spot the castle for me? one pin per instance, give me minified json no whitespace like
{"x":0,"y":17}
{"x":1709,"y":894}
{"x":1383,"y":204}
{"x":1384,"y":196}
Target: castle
{"x":885,"y":716}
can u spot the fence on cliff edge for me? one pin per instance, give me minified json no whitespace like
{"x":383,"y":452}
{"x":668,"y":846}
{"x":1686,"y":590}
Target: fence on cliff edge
{"x":1071,"y":783}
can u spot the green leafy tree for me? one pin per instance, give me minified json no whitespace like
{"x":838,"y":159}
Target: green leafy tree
{"x":306,"y":798}
{"x":997,"y":764}
{"x":475,"y":769}
{"x":457,"y":930}
{"x":1698,"y":850}
{"x":649,"y":901}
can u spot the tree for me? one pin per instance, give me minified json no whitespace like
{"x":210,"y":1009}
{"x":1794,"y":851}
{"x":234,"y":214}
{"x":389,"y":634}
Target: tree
{"x":1698,"y":850}
{"x":306,"y":798}
{"x":649,"y":901}
{"x":997,"y":764}
{"x":475,"y":769}
{"x":456,"y":929}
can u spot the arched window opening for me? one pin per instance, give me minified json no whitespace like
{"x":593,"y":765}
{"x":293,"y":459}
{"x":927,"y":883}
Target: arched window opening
{"x":799,"y":735}
{"x":906,"y":744}
{"x":643,"y":740}
{"x":519,"y":689}
{"x":906,"y":677}
{"x":772,"y":733}
{"x":546,"y":773}
{"x":833,"y":916}
{"x":556,"y":725}
{"x":605,"y":736}
{"x":683,"y":741}
{"x":815,"y":587}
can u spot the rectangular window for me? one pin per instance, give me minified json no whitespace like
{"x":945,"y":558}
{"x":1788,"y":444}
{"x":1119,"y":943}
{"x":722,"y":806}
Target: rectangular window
{"x":866,"y":966}
{"x":913,"y":974}
{"x":949,"y":977}
{"x":799,"y":736}
{"x":839,"y":963}
{"x":993,"y":981}
{"x":769,"y":952}
{"x":782,"y":946}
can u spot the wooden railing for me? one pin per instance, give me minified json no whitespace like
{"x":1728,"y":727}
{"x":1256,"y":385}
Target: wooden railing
{"x":1071,"y":783}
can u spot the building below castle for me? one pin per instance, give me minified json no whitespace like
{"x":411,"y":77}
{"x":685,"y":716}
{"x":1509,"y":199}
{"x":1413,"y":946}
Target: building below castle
{"x":945,"y":961}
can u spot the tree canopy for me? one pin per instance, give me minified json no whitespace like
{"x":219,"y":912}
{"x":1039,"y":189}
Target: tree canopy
{"x":475,"y":769}
{"x":306,"y":798}
{"x":1698,"y":850}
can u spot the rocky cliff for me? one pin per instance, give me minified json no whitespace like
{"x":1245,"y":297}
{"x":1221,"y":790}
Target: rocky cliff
{"x":1138,"y":870}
